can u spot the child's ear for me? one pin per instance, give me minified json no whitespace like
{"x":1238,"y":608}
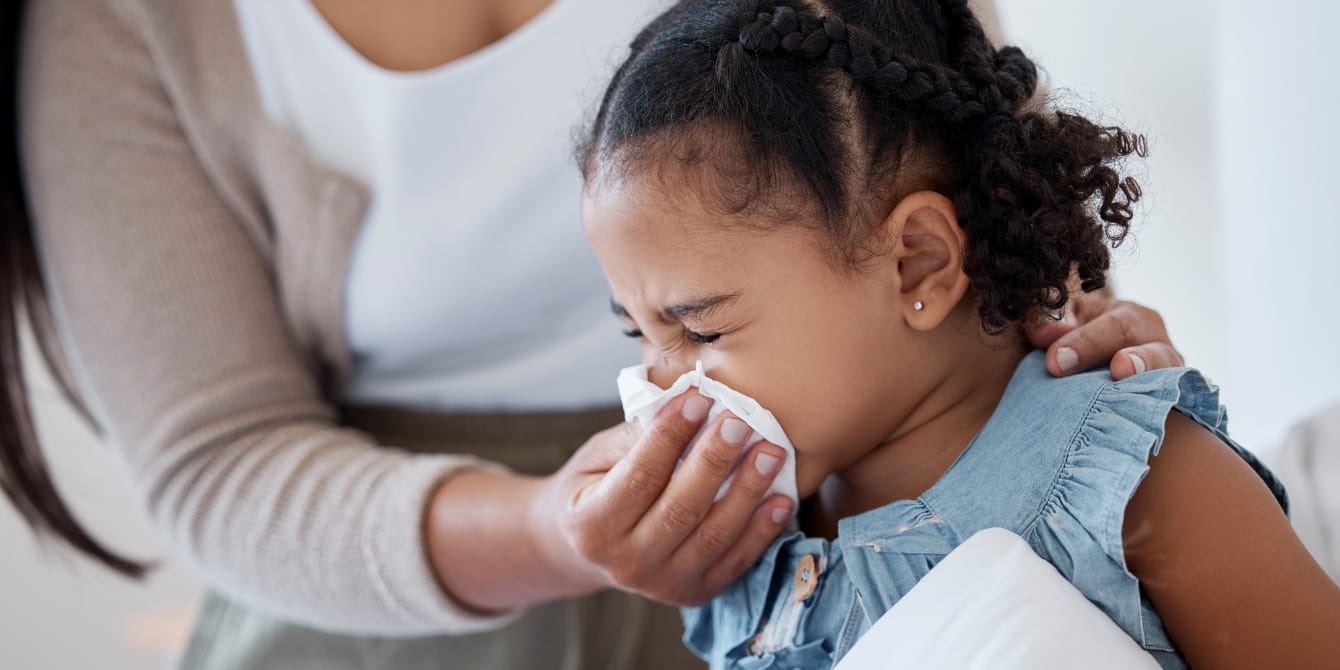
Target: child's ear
{"x":928,"y":251}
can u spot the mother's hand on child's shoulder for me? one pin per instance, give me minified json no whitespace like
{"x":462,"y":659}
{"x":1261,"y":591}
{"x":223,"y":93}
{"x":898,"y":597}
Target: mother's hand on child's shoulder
{"x":1098,"y":330}
{"x":615,"y":514}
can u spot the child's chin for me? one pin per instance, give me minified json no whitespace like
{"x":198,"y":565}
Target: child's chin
{"x":808,"y":480}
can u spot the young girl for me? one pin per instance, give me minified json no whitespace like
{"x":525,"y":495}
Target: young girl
{"x":847,"y":210}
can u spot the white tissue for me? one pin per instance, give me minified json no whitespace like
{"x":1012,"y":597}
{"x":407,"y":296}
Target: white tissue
{"x":643,"y":399}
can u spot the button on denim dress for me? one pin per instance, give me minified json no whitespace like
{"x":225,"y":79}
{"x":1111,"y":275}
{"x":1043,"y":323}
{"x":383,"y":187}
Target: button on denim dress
{"x":1056,"y":464}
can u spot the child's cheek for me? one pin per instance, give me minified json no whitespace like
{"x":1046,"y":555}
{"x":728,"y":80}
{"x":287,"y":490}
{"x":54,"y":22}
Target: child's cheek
{"x":809,"y":475}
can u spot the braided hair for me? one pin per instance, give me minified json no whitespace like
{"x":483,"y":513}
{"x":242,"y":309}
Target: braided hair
{"x":845,"y":106}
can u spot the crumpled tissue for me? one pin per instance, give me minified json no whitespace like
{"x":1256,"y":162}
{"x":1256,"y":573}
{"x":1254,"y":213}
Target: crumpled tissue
{"x":643,"y":399}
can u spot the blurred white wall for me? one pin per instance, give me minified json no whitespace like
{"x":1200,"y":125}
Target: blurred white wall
{"x":1234,"y":246}
{"x":1277,"y":148}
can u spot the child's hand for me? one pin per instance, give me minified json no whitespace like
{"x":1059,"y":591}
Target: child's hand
{"x":615,"y":515}
{"x":1096,"y":329}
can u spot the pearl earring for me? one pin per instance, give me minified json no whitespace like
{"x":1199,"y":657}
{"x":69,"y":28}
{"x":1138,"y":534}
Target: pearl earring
{"x":919,"y":305}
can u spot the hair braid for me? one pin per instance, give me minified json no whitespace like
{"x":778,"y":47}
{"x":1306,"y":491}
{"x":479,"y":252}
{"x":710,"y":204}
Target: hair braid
{"x":1005,"y":78}
{"x":969,"y":45}
{"x":844,"y":46}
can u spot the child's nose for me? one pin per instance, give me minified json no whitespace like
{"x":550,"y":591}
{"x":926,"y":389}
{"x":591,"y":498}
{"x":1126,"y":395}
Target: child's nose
{"x":663,"y":372}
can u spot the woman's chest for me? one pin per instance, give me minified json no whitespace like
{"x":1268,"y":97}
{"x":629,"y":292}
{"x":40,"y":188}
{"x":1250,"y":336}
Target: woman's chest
{"x":470,"y":247}
{"x":412,"y":35}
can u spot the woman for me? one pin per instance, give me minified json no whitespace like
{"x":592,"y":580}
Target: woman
{"x":282,"y":237}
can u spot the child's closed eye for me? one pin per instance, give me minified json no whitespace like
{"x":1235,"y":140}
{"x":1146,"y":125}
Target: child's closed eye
{"x":691,"y":336}
{"x":701,"y":338}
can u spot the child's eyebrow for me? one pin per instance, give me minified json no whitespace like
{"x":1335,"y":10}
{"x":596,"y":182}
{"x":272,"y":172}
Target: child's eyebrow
{"x":700,"y":308}
{"x":693,"y":308}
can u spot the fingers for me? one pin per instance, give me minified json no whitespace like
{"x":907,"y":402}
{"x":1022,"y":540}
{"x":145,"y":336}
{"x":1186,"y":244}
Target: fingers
{"x":647,"y":531}
{"x":727,"y":524}
{"x":1097,"y":340}
{"x":761,"y":529}
{"x":1081,"y":308}
{"x":606,"y":449}
{"x":693,"y":489}
{"x":1042,"y":334}
{"x":1153,"y":356}
{"x":633,"y":484}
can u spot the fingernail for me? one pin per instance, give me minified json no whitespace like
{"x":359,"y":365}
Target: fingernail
{"x":695,"y":408}
{"x":1067,"y":359}
{"x":734,"y":430}
{"x":780,"y":514}
{"x":767,"y":463}
{"x":1139,"y":363}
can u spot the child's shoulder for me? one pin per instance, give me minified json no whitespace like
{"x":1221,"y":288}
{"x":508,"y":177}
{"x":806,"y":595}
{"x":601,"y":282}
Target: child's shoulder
{"x":1058,"y":464}
{"x":1034,"y":390}
{"x":1047,"y":428}
{"x":1090,"y":414}
{"x":1091,"y":407}
{"x":1068,"y":453}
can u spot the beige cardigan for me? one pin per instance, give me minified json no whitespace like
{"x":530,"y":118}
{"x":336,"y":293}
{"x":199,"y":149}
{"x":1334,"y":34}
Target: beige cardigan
{"x":196,"y":255}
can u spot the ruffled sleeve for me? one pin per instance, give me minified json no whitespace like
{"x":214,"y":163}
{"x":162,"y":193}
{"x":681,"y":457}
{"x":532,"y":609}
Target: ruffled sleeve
{"x":1081,"y":523}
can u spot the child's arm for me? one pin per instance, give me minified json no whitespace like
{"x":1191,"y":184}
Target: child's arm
{"x":1232,"y":582}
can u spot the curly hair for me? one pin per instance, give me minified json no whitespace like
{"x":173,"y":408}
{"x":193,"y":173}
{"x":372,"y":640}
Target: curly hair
{"x":858,"y":103}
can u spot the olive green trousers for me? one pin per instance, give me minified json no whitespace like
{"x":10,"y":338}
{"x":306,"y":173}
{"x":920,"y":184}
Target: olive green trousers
{"x":608,"y":630}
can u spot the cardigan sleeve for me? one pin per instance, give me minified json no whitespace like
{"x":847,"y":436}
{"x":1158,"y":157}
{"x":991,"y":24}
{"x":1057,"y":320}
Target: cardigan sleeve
{"x":168,"y":312}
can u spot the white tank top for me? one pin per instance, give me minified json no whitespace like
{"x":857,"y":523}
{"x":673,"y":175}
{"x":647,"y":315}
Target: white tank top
{"x":471,"y":286}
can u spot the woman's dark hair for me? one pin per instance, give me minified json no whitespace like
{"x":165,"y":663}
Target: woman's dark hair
{"x":853,"y":104}
{"x":24,"y":475}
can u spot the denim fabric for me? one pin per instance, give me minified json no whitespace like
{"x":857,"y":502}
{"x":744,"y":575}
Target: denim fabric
{"x":1056,"y":464}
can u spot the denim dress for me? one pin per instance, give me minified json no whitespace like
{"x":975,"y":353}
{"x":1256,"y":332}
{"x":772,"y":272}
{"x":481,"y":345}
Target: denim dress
{"x":1056,"y":464}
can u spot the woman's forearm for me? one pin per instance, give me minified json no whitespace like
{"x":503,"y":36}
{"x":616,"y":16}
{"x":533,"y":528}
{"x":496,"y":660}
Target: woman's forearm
{"x":486,"y":545}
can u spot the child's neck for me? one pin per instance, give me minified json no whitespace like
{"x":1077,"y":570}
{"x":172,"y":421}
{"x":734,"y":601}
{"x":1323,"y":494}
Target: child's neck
{"x":925,"y":443}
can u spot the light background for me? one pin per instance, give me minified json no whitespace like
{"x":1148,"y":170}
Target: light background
{"x":1238,"y":240}
{"x":1236,"y":248}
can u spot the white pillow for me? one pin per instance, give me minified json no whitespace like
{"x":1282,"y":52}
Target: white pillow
{"x":994,"y":604}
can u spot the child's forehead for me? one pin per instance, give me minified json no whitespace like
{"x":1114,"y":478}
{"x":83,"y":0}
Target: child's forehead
{"x":659,"y":248}
{"x":679,"y":204}
{"x":644,"y":209}
{"x":709,"y":164}
{"x":656,"y":261}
